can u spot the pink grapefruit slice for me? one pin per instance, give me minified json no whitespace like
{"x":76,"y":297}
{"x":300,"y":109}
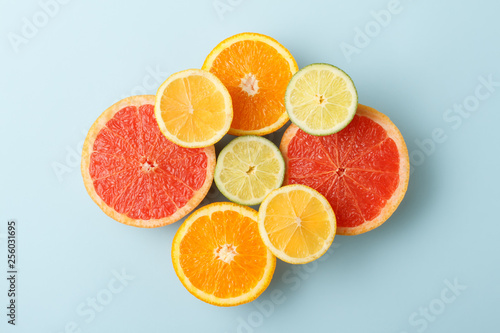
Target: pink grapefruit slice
{"x":363,"y":170}
{"x":137,"y":176}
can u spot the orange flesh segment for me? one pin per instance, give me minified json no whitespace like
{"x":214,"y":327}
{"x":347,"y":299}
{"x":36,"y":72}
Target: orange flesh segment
{"x":356,"y":169}
{"x":257,"y":67}
{"x":138,"y":172}
{"x":209,"y":240}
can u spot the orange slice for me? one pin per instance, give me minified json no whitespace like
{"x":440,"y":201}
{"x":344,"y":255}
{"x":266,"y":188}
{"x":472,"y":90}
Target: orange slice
{"x":137,"y":176}
{"x":219,"y":256}
{"x":193,"y":108}
{"x":256,"y":70}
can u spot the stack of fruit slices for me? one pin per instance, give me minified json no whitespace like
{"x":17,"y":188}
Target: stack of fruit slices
{"x":341,"y":168}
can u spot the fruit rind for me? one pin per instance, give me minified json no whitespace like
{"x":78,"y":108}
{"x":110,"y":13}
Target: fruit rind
{"x":302,"y":125}
{"x":111,"y":212}
{"x":208,"y":298}
{"x":280,"y":254}
{"x":228,"y":148}
{"x":404,"y":169}
{"x":279,"y":48}
{"x":227,"y":101}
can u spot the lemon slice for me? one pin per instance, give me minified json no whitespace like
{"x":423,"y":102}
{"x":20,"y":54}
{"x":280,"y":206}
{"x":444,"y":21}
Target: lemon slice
{"x":248,"y":168}
{"x":321,"y":99}
{"x":193,"y":108}
{"x":296,"y":223}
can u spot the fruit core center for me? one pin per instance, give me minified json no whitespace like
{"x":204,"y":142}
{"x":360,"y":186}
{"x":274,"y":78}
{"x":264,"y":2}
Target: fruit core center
{"x":249,"y":84}
{"x":340,"y":172}
{"x":321,"y":99}
{"x":226,"y":253}
{"x":251,"y":169}
{"x":298,"y":220}
{"x":147,"y":165}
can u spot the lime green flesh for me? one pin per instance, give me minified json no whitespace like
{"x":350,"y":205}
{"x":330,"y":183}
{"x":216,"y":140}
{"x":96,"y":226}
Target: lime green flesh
{"x":248,"y":168}
{"x":321,"y":99}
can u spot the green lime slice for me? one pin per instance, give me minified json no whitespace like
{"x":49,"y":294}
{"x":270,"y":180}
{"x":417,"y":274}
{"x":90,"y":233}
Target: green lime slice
{"x":321,"y":99}
{"x":248,"y":168}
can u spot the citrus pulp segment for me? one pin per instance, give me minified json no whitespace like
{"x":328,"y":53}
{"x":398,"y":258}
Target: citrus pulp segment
{"x":255,"y":69}
{"x":193,"y":108}
{"x":219,"y":256}
{"x":362,"y":170}
{"x":296,"y":223}
{"x":321,"y":99}
{"x":137,"y":176}
{"x":248,"y":168}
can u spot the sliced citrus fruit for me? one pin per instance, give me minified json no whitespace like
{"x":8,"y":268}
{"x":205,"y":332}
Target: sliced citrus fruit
{"x":296,"y":223}
{"x":362,"y":170}
{"x":137,"y":176}
{"x":248,"y":168}
{"x":193,"y":108}
{"x":219,"y":256}
{"x":255,"y":69}
{"x":321,"y":99}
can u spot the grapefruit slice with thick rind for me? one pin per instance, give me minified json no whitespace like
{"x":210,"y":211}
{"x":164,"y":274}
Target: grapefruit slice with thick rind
{"x":137,"y":176}
{"x":363,"y":170}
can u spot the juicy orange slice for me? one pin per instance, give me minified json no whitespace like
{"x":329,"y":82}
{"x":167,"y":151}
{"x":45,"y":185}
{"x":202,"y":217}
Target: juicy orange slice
{"x":193,"y":108}
{"x":219,"y":255}
{"x":256,"y":70}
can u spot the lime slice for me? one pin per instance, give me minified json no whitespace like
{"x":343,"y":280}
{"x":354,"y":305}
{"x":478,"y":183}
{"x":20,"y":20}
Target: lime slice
{"x":248,"y":168}
{"x":321,"y":99}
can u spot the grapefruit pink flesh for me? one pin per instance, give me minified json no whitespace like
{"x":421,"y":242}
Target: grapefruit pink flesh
{"x":360,"y":170}
{"x":140,"y":174}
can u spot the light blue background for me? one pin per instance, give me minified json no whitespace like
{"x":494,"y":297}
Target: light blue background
{"x":92,"y":53}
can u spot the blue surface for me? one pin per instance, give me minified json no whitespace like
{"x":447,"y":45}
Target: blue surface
{"x":398,"y":278}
